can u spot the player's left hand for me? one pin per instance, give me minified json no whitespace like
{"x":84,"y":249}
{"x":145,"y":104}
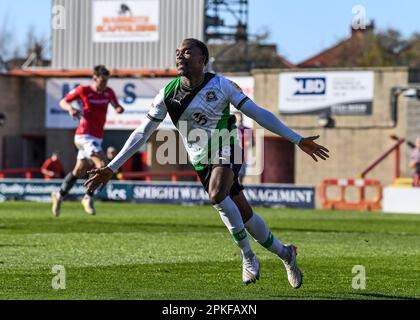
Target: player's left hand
{"x":119,"y":109}
{"x":101,"y":177}
{"x":313,"y":149}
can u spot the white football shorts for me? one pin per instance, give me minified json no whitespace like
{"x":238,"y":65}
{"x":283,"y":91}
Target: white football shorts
{"x":87,"y":145}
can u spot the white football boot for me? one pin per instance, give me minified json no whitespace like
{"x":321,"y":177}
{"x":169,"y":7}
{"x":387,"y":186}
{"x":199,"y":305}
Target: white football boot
{"x":56,"y":201}
{"x":87,"y":203}
{"x":251,"y":270}
{"x":294,"y":275}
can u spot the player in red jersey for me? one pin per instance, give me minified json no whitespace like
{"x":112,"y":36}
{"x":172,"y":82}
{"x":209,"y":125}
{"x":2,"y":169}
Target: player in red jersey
{"x":88,"y":138}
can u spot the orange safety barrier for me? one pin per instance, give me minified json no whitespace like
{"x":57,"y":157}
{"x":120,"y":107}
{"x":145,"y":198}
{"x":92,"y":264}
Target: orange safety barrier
{"x":341,"y":203}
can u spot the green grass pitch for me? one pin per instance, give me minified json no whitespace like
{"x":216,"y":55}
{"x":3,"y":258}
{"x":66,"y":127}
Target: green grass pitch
{"x":134,"y":251}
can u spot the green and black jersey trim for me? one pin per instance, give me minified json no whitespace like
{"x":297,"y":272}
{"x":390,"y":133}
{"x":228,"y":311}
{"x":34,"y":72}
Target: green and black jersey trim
{"x":176,"y":109}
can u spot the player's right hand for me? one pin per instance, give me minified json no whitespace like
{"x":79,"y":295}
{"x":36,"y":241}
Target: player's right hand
{"x":74,"y":114}
{"x":313,"y":149}
{"x":101,"y":177}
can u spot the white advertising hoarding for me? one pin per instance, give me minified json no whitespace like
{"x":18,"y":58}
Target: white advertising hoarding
{"x":128,"y":21}
{"x":334,"y":92}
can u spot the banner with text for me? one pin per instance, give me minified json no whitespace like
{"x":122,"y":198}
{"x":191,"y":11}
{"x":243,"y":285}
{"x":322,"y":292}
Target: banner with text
{"x":334,"y":92}
{"x":128,"y":21}
{"x":274,"y":195}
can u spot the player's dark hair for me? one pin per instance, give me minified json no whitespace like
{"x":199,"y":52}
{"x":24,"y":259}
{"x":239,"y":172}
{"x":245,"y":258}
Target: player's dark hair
{"x":202,"y":46}
{"x":101,"y":70}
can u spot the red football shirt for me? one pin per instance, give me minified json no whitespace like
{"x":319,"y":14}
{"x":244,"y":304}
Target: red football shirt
{"x":95,"y":107}
{"x":54,"y":166}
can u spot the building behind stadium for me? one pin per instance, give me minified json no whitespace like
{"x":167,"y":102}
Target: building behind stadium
{"x":364,"y":104}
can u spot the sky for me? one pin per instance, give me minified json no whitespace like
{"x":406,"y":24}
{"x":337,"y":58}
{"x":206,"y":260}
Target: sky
{"x":299,"y":28}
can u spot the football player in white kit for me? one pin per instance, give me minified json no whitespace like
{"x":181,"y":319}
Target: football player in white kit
{"x":198,"y":105}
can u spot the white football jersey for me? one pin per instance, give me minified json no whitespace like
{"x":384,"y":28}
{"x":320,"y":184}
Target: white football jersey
{"x":201,"y":114}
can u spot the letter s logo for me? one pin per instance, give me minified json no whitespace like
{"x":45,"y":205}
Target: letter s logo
{"x":129,"y":94}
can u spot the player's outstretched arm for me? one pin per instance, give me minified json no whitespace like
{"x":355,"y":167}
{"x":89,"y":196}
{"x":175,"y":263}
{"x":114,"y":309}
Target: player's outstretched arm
{"x":269,"y":121}
{"x":136,"y":140}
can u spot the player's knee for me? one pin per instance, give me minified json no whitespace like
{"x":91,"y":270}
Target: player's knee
{"x":216,"y":196}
